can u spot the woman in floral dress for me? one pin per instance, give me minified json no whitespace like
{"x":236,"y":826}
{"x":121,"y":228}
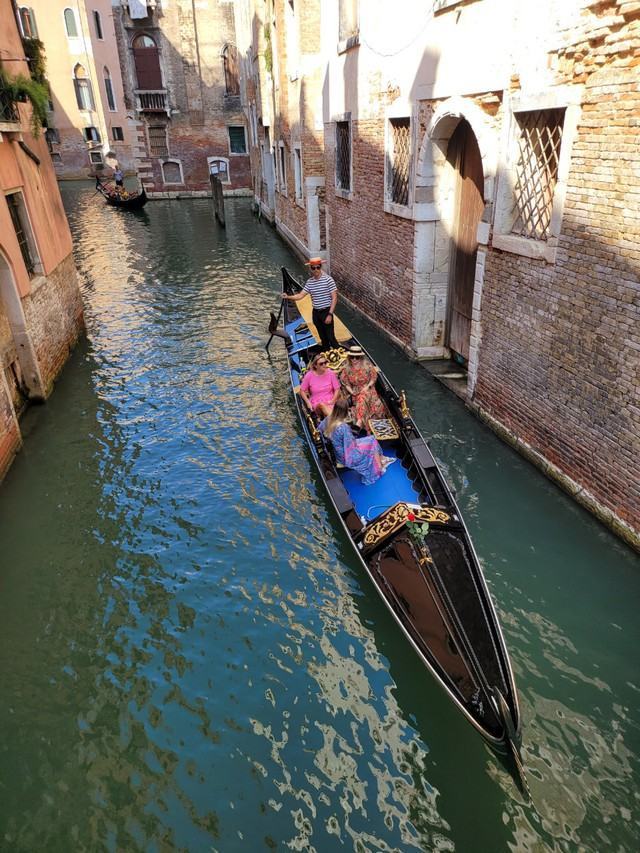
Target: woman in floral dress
{"x":363,"y":455}
{"x":358,"y":378}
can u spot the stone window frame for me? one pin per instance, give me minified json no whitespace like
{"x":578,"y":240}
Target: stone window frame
{"x":163,"y":162}
{"x":27,"y":229}
{"x":75,"y":23}
{"x":402,"y":109}
{"x":568,"y":98}
{"x":342,"y":193}
{"x":216,"y":158}
{"x":246,"y":141}
{"x":298,"y":173}
{"x":282,"y":168}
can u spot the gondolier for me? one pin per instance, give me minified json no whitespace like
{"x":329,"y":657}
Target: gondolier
{"x":324,"y":295}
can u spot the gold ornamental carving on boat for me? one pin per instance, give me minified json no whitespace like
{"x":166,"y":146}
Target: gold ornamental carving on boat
{"x":396,"y":517}
{"x":336,"y":357}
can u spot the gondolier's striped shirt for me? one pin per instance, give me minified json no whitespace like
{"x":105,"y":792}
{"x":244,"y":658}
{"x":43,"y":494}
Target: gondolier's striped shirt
{"x":320,"y":290}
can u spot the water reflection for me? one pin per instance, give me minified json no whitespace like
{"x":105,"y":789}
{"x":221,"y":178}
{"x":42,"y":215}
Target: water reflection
{"x":191,"y":657}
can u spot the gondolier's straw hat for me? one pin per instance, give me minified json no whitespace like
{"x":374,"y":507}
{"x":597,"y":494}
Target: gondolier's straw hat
{"x":312,"y":262}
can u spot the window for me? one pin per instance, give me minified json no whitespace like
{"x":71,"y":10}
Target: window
{"x":96,"y":157}
{"x":84,"y":93}
{"x":52,"y":136}
{"x":237,"y":140}
{"x":297,"y":171}
{"x":219,"y":166}
{"x":343,"y":155}
{"x":117,"y":135}
{"x":231,"y":77}
{"x":348,"y":23}
{"x":20,"y":221}
{"x":146,"y":58}
{"x":108,"y":87}
{"x":28,"y":22}
{"x":70,"y":24}
{"x":536,"y":174}
{"x":158,"y":140}
{"x":399,"y":160}
{"x":91,"y":134}
{"x":172,"y":172}
{"x":283,"y":168}
{"x":97,"y":22}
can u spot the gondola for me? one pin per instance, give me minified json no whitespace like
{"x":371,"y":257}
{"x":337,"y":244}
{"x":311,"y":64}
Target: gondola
{"x":432,"y":583}
{"x":132,"y":201}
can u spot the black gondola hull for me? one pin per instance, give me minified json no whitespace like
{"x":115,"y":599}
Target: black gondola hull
{"x":433,"y":586}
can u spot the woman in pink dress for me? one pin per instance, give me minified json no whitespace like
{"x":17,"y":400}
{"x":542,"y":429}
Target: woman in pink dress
{"x":320,"y":386}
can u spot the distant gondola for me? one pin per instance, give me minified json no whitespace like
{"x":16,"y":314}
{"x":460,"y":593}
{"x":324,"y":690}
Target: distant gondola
{"x":130,"y":201}
{"x":433,"y":585}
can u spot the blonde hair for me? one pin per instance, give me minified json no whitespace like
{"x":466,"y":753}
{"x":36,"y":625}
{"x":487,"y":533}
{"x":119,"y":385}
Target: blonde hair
{"x":338,"y":415}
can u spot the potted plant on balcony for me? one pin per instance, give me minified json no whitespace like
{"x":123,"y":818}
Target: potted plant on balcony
{"x":20,"y":89}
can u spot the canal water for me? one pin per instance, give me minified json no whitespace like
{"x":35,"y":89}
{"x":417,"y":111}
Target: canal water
{"x":191,"y":657}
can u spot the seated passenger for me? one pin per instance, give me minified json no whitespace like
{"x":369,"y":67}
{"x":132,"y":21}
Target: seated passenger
{"x":361,"y":454}
{"x":320,"y":386}
{"x":358,"y":378}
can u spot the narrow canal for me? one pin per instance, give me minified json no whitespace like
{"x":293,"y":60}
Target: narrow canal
{"x":191,"y":657}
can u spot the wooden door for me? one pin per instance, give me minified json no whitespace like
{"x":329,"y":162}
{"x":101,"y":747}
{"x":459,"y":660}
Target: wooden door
{"x":464,"y":155}
{"x":147,"y":61}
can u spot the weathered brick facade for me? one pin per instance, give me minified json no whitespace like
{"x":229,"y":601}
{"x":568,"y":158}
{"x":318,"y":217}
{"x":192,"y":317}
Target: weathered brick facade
{"x":183,"y":120}
{"x":552,"y":347}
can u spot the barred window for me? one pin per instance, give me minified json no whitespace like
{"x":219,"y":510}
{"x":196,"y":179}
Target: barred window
{"x":399,"y":160}
{"x":158,"y":140}
{"x":343,"y":155}
{"x":15,"y":202}
{"x":539,"y":141}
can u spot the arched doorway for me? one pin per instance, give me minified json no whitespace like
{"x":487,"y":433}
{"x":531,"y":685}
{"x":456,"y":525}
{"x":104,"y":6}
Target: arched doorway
{"x":463,"y":155}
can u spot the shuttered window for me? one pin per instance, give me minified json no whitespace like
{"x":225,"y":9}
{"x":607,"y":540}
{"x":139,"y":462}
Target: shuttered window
{"x":147,"y":61}
{"x":158,"y":141}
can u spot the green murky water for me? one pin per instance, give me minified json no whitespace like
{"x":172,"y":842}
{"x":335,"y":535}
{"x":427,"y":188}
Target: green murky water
{"x":191,"y":657}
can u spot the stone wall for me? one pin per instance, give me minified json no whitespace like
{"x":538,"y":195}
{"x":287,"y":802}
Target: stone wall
{"x":371,"y":250}
{"x":560,"y":353}
{"x":54,"y":319}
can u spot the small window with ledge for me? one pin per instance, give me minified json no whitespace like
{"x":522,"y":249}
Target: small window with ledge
{"x":219,"y":167}
{"x":237,"y":140}
{"x":116,"y":134}
{"x":172,"y":172}
{"x":91,"y":134}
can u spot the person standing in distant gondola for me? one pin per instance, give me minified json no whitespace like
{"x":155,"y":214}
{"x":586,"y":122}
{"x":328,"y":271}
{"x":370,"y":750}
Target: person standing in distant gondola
{"x":324,"y":296}
{"x":117,"y":177}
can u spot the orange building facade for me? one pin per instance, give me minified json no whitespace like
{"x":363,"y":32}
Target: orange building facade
{"x":40,"y":306}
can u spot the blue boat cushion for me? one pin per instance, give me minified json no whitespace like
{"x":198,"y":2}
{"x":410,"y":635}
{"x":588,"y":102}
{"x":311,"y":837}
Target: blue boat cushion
{"x":393,"y":486}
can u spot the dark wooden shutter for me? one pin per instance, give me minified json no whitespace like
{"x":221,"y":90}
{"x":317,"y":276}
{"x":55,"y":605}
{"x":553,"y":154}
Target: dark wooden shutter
{"x":147,"y":67}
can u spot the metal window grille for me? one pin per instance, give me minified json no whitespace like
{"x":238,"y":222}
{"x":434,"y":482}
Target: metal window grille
{"x":14,"y":210}
{"x":400,"y":160}
{"x":158,"y":141}
{"x":536,"y":171}
{"x":343,"y":155}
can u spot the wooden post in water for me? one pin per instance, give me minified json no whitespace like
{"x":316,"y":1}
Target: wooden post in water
{"x":218,"y":198}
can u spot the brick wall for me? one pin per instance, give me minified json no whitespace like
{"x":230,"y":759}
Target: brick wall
{"x":10,"y":439}
{"x":366,"y":243}
{"x":560,"y":350}
{"x":54,"y":319}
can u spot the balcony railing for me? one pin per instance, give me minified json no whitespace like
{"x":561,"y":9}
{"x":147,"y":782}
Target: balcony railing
{"x":9,"y":115}
{"x":152,"y":101}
